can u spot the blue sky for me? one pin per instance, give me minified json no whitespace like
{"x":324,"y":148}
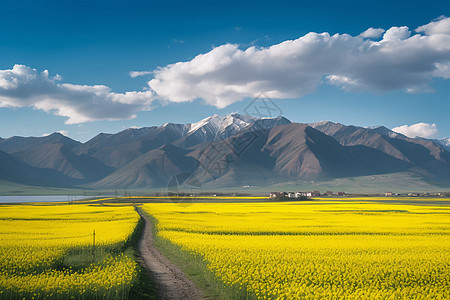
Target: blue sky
{"x":92,"y":43}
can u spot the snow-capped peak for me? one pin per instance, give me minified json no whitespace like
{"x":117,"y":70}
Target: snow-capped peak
{"x":216,"y":125}
{"x":233,"y":123}
{"x":444,"y":143}
{"x":320,"y":123}
{"x":213,"y":123}
{"x":327,"y":127}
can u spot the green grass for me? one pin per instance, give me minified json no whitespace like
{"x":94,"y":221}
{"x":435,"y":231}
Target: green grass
{"x":144,"y":288}
{"x":374,"y":184}
{"x":14,"y":189}
{"x":196,"y":269}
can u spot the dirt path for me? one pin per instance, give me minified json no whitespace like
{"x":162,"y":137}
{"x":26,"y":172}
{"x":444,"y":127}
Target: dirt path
{"x":171,"y":283}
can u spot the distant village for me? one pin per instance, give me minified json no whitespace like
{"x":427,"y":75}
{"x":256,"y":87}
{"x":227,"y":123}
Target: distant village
{"x":306,"y":195}
{"x":303,"y":195}
{"x":390,"y":194}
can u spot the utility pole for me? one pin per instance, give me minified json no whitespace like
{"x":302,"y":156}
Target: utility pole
{"x":93,"y":245}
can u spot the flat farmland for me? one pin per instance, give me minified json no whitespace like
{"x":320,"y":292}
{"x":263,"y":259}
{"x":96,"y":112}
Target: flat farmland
{"x":329,"y":248}
{"x":326,"y":249}
{"x":49,"y":251}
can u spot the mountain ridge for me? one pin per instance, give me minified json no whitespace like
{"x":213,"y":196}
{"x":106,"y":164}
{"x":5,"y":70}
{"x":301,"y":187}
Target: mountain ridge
{"x":227,"y":151}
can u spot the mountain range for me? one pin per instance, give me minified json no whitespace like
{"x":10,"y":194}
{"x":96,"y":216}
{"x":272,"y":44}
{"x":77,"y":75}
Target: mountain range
{"x":217,"y":152}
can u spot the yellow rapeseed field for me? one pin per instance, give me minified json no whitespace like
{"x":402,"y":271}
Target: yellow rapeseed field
{"x":318,"y":249}
{"x":47,"y":251}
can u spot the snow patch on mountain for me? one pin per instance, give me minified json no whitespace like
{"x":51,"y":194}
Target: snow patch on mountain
{"x":327,"y":127}
{"x":211,"y":123}
{"x":216,"y":125}
{"x":445,"y":142}
{"x":386,"y":132}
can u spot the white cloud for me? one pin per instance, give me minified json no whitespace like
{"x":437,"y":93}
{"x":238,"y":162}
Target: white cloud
{"x":439,"y":26}
{"x":23,"y":86}
{"x":397,"y":34}
{"x":227,"y":74}
{"x":372,"y":33}
{"x":134,"y":74}
{"x":442,"y":70}
{"x":294,"y":68}
{"x":424,"y":130}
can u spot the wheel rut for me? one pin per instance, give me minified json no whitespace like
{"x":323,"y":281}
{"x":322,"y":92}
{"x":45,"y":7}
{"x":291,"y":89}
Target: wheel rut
{"x":170,"y":281}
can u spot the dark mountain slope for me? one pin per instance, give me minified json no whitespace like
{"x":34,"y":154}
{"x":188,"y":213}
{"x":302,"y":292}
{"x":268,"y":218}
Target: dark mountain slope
{"x":153,"y":169}
{"x":354,"y":135}
{"x":13,"y":170}
{"x":301,"y":151}
{"x":226,"y":151}
{"x":425,"y":156}
{"x":118,"y":150}
{"x":17,"y":143}
{"x":60,"y":158}
{"x":293,"y":151}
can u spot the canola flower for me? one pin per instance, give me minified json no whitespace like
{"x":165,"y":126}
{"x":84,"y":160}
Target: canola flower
{"x":38,"y":243}
{"x":318,"y":249}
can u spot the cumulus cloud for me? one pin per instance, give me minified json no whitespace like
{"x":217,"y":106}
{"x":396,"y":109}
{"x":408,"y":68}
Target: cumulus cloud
{"x":397,"y":34}
{"x":226,"y":74}
{"x":424,"y":130}
{"x":372,"y":33}
{"x":400,"y":60}
{"x":440,"y":26}
{"x":23,"y":86}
